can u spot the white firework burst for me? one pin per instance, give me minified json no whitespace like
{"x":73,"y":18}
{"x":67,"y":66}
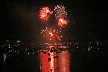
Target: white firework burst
{"x":60,"y":11}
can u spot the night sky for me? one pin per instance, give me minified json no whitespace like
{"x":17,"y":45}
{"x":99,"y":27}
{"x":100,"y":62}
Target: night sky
{"x":20,"y":18}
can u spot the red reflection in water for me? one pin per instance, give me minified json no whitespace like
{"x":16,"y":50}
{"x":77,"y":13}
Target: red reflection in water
{"x":45,"y":63}
{"x":60,"y":64}
{"x":64,"y":62}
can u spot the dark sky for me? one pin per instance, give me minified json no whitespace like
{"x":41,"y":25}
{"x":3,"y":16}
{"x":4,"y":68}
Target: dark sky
{"x":20,"y":18}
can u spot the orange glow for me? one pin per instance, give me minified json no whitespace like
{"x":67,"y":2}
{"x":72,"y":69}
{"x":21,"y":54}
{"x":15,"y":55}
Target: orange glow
{"x":50,"y":33}
{"x":50,"y":39}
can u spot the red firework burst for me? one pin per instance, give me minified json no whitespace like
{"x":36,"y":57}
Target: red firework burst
{"x":62,"y":22}
{"x":44,"y":13}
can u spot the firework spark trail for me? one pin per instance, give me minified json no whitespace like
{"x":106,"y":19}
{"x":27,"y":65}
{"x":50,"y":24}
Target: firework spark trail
{"x":45,"y":13}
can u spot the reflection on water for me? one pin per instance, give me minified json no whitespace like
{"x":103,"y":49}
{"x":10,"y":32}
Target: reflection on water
{"x":55,"y":62}
{"x":77,"y":59}
{"x":64,"y":62}
{"x":44,"y":62}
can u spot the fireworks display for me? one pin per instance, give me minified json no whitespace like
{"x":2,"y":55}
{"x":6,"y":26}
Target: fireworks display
{"x":60,"y":14}
{"x":44,"y":13}
{"x":53,"y":34}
